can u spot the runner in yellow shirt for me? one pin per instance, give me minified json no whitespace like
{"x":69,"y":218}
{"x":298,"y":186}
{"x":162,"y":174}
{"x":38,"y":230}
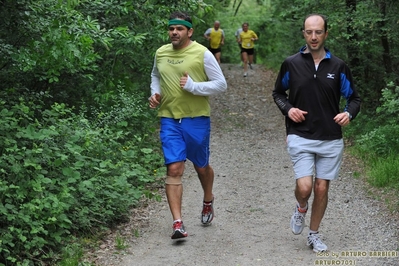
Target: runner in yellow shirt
{"x":215,"y":36}
{"x":247,"y":39}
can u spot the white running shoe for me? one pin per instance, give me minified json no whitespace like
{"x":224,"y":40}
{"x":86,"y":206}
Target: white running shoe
{"x":297,"y":221}
{"x":314,"y":242}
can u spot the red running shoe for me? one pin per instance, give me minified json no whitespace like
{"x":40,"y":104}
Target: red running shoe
{"x":178,"y":230}
{"x":207,"y":212}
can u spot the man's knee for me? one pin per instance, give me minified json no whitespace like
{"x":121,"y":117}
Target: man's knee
{"x":173,"y":180}
{"x":321,"y":186}
{"x":304,"y":186}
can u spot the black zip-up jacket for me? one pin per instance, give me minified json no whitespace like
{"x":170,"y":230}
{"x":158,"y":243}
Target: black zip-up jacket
{"x":316,"y":91}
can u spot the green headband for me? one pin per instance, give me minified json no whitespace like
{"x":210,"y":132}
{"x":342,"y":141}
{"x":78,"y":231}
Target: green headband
{"x":180,"y":22}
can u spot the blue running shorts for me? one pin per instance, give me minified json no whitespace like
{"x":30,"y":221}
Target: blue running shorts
{"x":321,"y":157}
{"x":186,"y":138}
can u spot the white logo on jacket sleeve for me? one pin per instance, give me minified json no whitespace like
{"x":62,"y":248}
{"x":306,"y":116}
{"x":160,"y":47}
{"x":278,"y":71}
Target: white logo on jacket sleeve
{"x":330,"y":76}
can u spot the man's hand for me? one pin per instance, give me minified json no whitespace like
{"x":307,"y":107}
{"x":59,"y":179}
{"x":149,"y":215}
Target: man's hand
{"x":342,"y":119}
{"x":183,"y":80}
{"x":297,"y":115}
{"x":155,"y":100}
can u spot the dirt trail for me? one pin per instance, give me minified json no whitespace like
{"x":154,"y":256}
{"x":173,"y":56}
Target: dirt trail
{"x":254,"y":199}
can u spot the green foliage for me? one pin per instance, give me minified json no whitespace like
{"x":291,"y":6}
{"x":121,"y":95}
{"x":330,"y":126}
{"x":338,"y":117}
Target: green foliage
{"x":378,"y":145}
{"x":82,"y":50}
{"x":388,"y":111}
{"x":72,"y":255}
{"x":65,"y":45}
{"x":120,"y":242}
{"x":62,"y":174}
{"x":381,"y":141}
{"x":382,"y":136}
{"x":384,"y":172}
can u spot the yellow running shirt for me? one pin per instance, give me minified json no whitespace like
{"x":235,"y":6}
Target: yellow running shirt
{"x":246,"y":41}
{"x":216,"y":38}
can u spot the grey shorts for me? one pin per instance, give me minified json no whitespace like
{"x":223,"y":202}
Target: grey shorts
{"x":320,"y":157}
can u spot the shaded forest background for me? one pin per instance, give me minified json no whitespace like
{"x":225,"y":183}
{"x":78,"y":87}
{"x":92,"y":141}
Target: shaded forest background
{"x":78,"y":143}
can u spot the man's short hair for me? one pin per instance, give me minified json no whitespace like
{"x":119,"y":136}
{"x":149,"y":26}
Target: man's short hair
{"x":315,"y":14}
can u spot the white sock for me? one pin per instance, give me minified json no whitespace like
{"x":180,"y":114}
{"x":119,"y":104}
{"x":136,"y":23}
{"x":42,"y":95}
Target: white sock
{"x":300,"y":208}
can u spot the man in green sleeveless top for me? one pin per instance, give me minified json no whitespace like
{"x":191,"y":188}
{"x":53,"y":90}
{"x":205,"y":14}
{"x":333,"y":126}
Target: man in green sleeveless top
{"x":215,"y":36}
{"x":184,"y":75}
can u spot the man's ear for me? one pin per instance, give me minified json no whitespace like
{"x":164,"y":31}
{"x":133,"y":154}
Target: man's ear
{"x":190,"y":32}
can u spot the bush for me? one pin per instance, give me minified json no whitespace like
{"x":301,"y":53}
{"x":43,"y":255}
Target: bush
{"x":379,"y":145}
{"x":381,"y":141}
{"x":61,"y":175}
{"x":382,"y":136}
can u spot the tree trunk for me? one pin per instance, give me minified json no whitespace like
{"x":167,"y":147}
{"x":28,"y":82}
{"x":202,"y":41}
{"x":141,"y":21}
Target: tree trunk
{"x":384,"y":38}
{"x":352,"y":44}
{"x":238,"y":7}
